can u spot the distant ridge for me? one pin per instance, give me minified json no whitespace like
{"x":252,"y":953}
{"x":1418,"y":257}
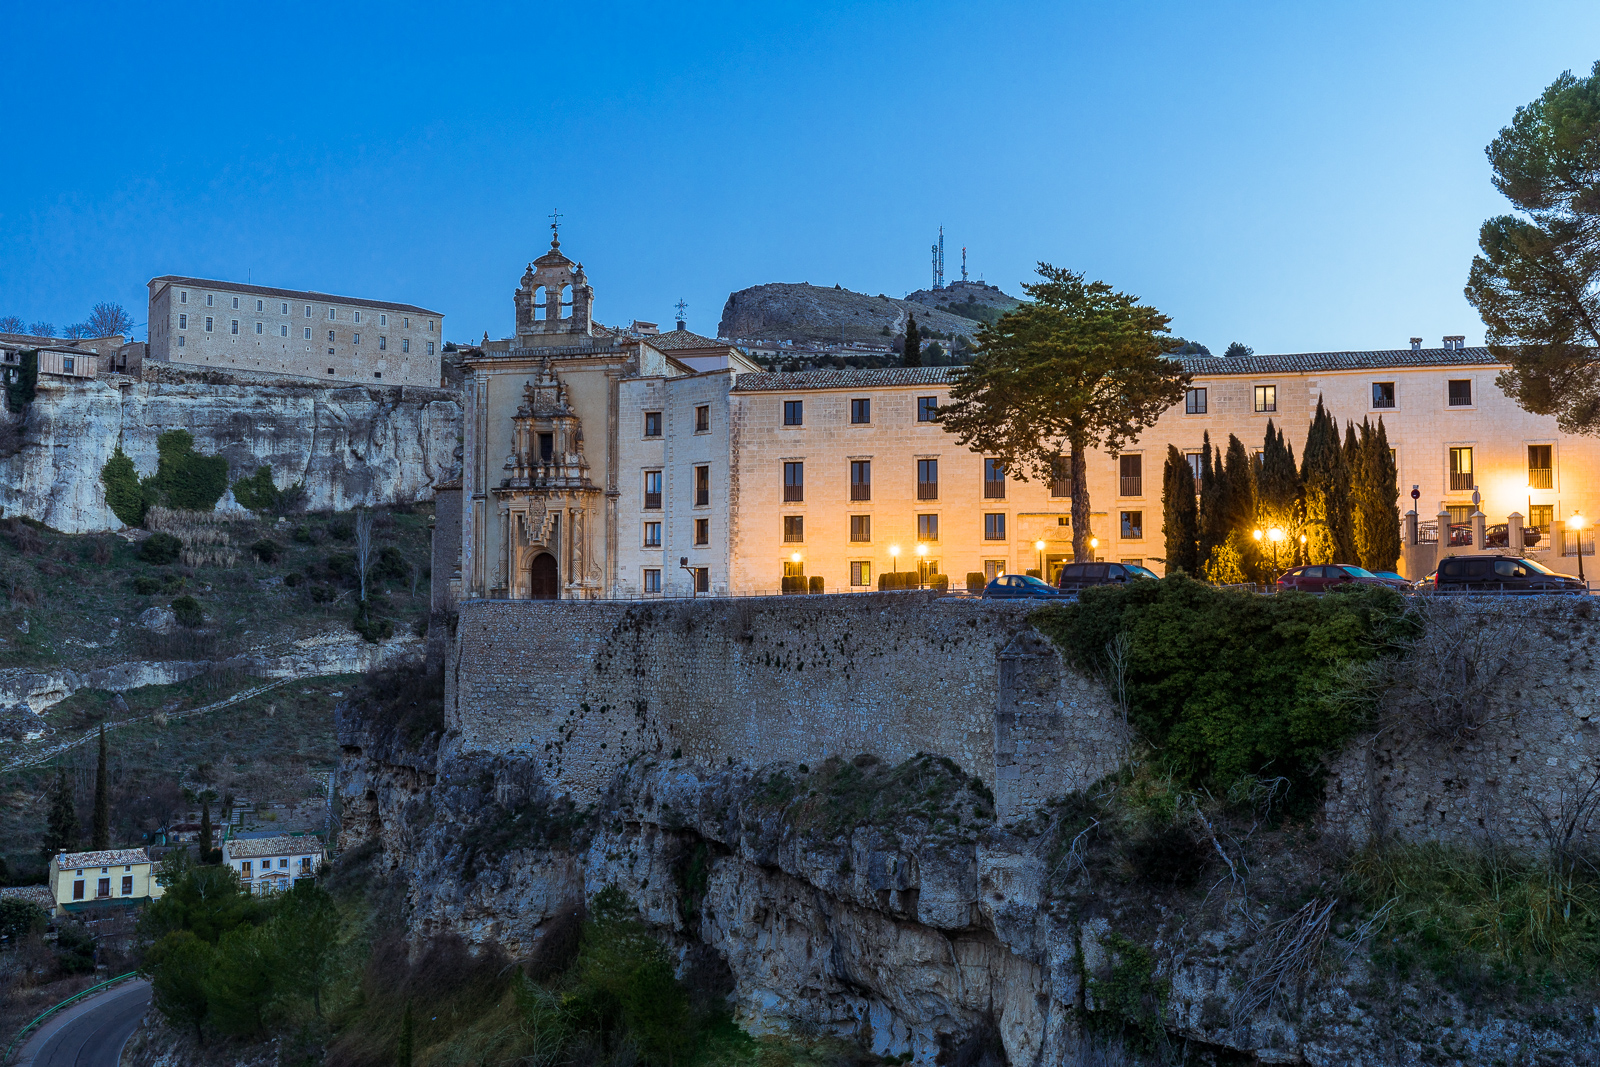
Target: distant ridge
{"x":788,"y":311}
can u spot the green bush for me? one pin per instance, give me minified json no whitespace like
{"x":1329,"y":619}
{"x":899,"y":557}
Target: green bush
{"x":1226,"y":683}
{"x":321,"y":594}
{"x":391,"y":564}
{"x":815,"y":584}
{"x":372,"y":629}
{"x":292,"y":579}
{"x":341,"y":529}
{"x":940,"y":582}
{"x":185,"y":479}
{"x":794,"y":584}
{"x":22,"y":386}
{"x":146,"y":586}
{"x":342,"y":567}
{"x":19,"y":918}
{"x":126,"y":496}
{"x":975,"y":581}
{"x":160,"y":548}
{"x":257,"y":492}
{"x":266,"y":550}
{"x":303,"y":535}
{"x":188,"y":613}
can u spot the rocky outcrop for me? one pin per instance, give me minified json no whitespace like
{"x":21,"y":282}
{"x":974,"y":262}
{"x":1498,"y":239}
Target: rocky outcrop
{"x":349,"y":445}
{"x":783,"y":311}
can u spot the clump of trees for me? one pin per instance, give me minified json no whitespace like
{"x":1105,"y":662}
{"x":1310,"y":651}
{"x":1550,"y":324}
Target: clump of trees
{"x":1343,"y":499}
{"x":184,"y":479}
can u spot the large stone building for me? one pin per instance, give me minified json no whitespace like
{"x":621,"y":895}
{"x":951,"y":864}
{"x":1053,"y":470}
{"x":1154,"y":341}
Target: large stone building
{"x":228,"y":326}
{"x":607,"y":464}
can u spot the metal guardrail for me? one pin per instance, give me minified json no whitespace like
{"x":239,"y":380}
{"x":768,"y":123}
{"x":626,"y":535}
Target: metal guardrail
{"x":22,"y":1035}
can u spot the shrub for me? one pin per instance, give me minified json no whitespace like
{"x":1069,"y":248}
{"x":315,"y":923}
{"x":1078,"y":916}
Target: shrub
{"x":146,"y":586}
{"x":815,"y":584}
{"x":888,"y":580}
{"x":793,"y":584}
{"x":975,"y":582}
{"x":187,"y":611}
{"x":23,"y":536}
{"x":292,"y":579}
{"x":391,"y":564}
{"x":341,"y":529}
{"x":321,"y":594}
{"x":303,"y":535}
{"x":126,"y":496}
{"x":342,"y":567}
{"x":940,"y":582}
{"x":161,"y":548}
{"x":257,"y":492}
{"x":20,"y":388}
{"x":266,"y":550}
{"x":373,"y":630}
{"x":1032,"y":572}
{"x":1227,"y":683}
{"x":185,"y":479}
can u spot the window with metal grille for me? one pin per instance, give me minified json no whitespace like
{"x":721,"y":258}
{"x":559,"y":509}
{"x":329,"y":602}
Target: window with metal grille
{"x":994,"y":527}
{"x":652,"y":580}
{"x":652,"y":489}
{"x":793,"y":412}
{"x":860,"y":411}
{"x":794,"y":481}
{"x":861,"y":479}
{"x":1460,"y":392}
{"x":927,"y":527}
{"x":994,"y":479}
{"x":702,"y":486}
{"x":860,"y":572}
{"x":1541,"y":475}
{"x":1540,"y":516}
{"x":927,"y":409}
{"x":793,"y":569}
{"x":1461,"y":470}
{"x":993,"y":568}
{"x":1132,"y":480}
{"x":1061,"y":476}
{"x":794,"y":528}
{"x":1266,"y":398}
{"x":861,"y":528}
{"x":1383,"y":394}
{"x":927,"y":479}
{"x":1194,"y":402}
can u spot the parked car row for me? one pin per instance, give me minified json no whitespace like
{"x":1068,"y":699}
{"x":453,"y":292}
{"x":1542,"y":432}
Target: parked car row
{"x":1486,"y":574}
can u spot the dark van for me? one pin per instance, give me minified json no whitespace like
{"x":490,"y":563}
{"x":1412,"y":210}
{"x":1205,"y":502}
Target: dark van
{"x":1501,"y":574}
{"x":1081,"y":575}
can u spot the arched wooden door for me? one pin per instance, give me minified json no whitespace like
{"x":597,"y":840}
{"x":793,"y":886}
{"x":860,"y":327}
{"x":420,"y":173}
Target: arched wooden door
{"x":543,"y":583}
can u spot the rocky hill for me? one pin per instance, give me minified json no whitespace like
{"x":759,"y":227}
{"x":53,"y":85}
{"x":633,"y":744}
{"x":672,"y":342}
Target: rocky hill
{"x":784,"y":311}
{"x":970,"y":300}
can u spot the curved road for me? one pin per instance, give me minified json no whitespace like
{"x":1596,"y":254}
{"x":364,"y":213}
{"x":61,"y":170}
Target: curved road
{"x":90,"y":1034}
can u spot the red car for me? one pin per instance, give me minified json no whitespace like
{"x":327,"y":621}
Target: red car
{"x":1319,"y":577}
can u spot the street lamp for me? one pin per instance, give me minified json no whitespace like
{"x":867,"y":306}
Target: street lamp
{"x":922,"y":554}
{"x":1274,"y":534}
{"x":1576,"y":524}
{"x":1302,"y":548}
{"x":1094,"y":544}
{"x":1038,"y":546}
{"x":894,"y":558}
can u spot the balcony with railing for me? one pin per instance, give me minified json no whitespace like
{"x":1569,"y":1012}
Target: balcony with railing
{"x":1461,"y":482}
{"x":1541,"y":478}
{"x":1132,"y":485}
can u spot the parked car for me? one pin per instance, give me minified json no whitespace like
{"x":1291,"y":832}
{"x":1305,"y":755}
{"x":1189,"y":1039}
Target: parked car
{"x":1394,"y":579}
{"x":1075,"y":576}
{"x":1019,"y":587}
{"x":1320,"y":577}
{"x":1500,"y":574}
{"x":1498,"y":536}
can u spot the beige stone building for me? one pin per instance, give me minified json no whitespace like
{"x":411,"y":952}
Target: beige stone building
{"x":229,"y":326}
{"x":121,"y":876}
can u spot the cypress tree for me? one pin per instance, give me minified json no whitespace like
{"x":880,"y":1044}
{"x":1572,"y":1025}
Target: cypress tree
{"x":1277,"y":483}
{"x":1180,"y":518}
{"x":913,"y":353}
{"x":1239,"y":494}
{"x":1376,"y":495}
{"x":1212,"y":532}
{"x":1325,"y":481}
{"x":100,"y":836}
{"x":61,"y":834}
{"x":1355,"y":481}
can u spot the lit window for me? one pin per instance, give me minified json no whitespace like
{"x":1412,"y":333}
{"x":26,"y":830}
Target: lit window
{"x":1541,"y":473}
{"x":1461,"y":477}
{"x":860,"y":573}
{"x":1266,"y":398}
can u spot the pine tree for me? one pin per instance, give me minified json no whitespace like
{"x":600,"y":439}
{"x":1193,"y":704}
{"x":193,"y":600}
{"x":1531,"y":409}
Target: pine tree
{"x":1325,"y":481}
{"x":61,"y":834}
{"x":913,"y":353}
{"x":100,"y":837}
{"x":1180,"y":517}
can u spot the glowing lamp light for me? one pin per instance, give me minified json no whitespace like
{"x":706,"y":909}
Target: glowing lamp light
{"x":922,"y":550}
{"x":1038,"y":546}
{"x":1094,"y":542}
{"x":795,"y":557}
{"x":1256,"y":534}
{"x":1275,"y":534}
{"x":1576,"y":522}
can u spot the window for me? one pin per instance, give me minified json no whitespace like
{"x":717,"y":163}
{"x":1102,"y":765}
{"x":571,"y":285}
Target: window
{"x":861,"y":528}
{"x":181,"y":338}
{"x":383,"y":320}
{"x":430,"y":330}
{"x":1540,"y":473}
{"x":547,"y":447}
{"x":283,"y":308}
{"x":355,"y":338}
{"x":994,"y":527}
{"x":357,"y":316}
{"x":210,"y":322}
{"x":235,"y":328}
{"x":1194,"y":402}
{"x":793,"y":569}
{"x":1132,"y":480}
{"x":236,"y":303}
{"x":283,"y":331}
{"x":66,"y":364}
{"x":860,"y":411}
{"x":702,"y":486}
{"x":183,"y":296}
{"x":103,"y":889}
{"x":308,"y":311}
{"x":652,"y":424}
{"x":861,"y":479}
{"x":794,"y":481}
{"x":406,"y":322}
{"x":702,"y":531}
{"x":430,"y":348}
{"x":860,"y":573}
{"x":210,"y":300}
{"x":993,"y":568}
{"x":127,"y":885}
{"x":793,"y":412}
{"x":927,"y":479}
{"x":1194,"y":459}
{"x":794,"y":529}
{"x":702,"y":417}
{"x":260,"y":306}
{"x":927,"y":527}
{"x":1061,"y":476}
{"x":652,"y":580}
{"x":994,"y":479}
{"x":77,"y":890}
{"x":383,"y":343}
{"x":652,"y":489}
{"x":927,"y":409}
{"x":1461,"y":393}
{"x":926,"y":568}
{"x":330,"y":369}
{"x":1540,"y":516}
{"x":1266,"y":398}
{"x":1132,"y":525}
{"x":702,"y":579}
{"x":183,"y":322}
{"x":258,"y":327}
{"x":1461,"y":470}
{"x":1383,"y":394}
{"x":332,"y":315}
{"x":330,"y":336}
{"x":405,"y":344}
{"x":308,"y":333}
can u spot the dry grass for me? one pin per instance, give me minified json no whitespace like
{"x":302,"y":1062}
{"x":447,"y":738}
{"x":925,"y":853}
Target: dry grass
{"x":206,"y":536}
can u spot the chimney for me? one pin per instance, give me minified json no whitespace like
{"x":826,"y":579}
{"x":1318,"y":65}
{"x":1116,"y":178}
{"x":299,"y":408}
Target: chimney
{"x":1416,"y":344}
{"x":1455,"y":342}
{"x":680,"y":324}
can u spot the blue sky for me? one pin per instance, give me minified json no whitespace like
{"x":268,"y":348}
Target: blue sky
{"x":1294,"y":176}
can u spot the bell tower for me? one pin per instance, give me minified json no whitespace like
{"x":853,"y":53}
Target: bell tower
{"x":554,"y":301}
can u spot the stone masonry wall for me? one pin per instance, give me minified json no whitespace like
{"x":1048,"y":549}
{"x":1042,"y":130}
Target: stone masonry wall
{"x":583,"y":687}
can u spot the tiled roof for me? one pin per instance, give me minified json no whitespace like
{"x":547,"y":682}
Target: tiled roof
{"x":33,"y":894}
{"x":116,"y":857}
{"x":849,"y":378}
{"x":263,"y":290}
{"x":28,"y":340}
{"x":674,"y":339}
{"x":273,"y":846}
{"x":1302,"y":362}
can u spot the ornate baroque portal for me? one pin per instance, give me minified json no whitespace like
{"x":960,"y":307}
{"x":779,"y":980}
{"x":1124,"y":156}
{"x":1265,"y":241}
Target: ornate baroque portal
{"x":546,"y":503}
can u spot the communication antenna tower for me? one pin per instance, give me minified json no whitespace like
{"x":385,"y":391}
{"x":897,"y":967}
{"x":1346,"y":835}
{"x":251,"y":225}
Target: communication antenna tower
{"x":938,"y":261}
{"x":963,"y":262}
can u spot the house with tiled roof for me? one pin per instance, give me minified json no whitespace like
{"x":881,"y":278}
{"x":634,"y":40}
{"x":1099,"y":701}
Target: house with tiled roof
{"x":119,"y":877}
{"x":272,"y":864}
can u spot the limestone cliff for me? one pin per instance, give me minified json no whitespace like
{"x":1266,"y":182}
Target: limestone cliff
{"x":349,"y":445}
{"x":784,"y":311}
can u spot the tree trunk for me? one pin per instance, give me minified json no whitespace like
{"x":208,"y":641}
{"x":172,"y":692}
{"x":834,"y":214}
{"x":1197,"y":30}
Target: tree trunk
{"x":1080,"y":503}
